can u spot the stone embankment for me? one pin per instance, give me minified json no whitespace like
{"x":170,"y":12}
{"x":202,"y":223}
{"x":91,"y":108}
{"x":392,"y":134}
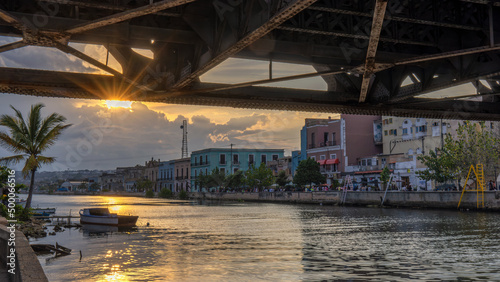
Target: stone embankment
{"x":417,"y":199}
{"x":27,"y":267}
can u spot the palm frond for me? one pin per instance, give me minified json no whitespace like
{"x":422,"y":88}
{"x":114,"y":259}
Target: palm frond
{"x":12,"y":159}
{"x":51,"y":136}
{"x":47,"y":124}
{"x":34,"y":121}
{"x":45,"y":160}
{"x":31,"y":163}
{"x":10,"y":144}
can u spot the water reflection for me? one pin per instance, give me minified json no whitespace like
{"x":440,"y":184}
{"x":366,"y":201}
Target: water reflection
{"x":249,"y":241}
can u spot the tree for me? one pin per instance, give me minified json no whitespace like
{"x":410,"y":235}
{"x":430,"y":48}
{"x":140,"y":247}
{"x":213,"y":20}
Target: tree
{"x":259,"y":177}
{"x":202,"y":181}
{"x":440,"y":167}
{"x":308,"y":173}
{"x":217,"y":179}
{"x":235,"y":180}
{"x":384,"y":177}
{"x":29,"y":139}
{"x":143,"y":184}
{"x":83,"y":186}
{"x":282,"y":179}
{"x":472,"y":145}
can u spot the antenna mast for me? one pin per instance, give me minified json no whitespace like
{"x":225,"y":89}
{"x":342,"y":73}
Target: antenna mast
{"x":184,"y":139}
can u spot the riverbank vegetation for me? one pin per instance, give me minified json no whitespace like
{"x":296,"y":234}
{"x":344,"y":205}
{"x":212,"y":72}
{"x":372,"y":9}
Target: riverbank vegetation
{"x":473,"y":144}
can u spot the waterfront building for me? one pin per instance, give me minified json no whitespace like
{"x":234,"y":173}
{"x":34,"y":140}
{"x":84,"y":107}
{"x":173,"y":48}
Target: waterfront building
{"x":112,"y":182}
{"x":73,"y":185}
{"x":151,"y":172}
{"x":281,"y":164}
{"x":297,"y":156}
{"x":229,"y":160}
{"x":166,"y":175}
{"x":130,"y":176}
{"x":341,"y":142}
{"x":182,"y":174}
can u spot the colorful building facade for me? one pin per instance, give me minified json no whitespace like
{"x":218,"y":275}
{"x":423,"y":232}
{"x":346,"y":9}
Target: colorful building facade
{"x":229,"y":160}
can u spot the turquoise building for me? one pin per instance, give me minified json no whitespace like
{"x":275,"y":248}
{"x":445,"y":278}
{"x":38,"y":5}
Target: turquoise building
{"x":229,"y":160}
{"x":166,"y":175}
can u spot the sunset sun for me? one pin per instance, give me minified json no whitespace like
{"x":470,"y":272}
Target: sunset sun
{"x":118,"y":104}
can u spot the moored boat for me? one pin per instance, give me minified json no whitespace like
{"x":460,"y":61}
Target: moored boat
{"x":43,"y":211}
{"x":102,"y":216}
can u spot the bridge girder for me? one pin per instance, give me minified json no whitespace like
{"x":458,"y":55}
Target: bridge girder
{"x":364,"y":49}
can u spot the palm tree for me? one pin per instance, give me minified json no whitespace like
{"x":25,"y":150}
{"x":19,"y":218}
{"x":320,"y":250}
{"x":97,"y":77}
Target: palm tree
{"x":28,"y":139}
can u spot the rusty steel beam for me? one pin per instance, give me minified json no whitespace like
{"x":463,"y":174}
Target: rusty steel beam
{"x":90,"y":60}
{"x":356,"y":36}
{"x":12,"y":46}
{"x":286,"y":13}
{"x":446,"y":55}
{"x":394,"y":18}
{"x":102,"y":6}
{"x":378,"y":20}
{"x":127,"y":15}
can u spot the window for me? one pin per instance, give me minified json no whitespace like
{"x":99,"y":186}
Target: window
{"x":363,"y":162}
{"x":195,"y":174}
{"x":201,"y":171}
{"x":236,"y":159}
{"x":177,"y":174}
{"x":385,"y":132}
{"x":383,"y":160}
{"x":275,"y":157}
{"x":187,"y":173}
{"x":313,"y":140}
{"x":369,"y":162}
{"x":222,"y":159}
{"x":322,"y":157}
{"x":390,"y":120}
{"x":195,"y":160}
{"x":251,"y":159}
{"x":411,"y":129}
{"x":333,"y":138}
{"x":206,"y":171}
{"x":405,"y":131}
{"x":325,"y":137}
{"x":235,"y":170}
{"x":313,"y":158}
{"x":206,"y":159}
{"x":263,"y":159}
{"x":223,"y":170}
{"x":333,"y":156}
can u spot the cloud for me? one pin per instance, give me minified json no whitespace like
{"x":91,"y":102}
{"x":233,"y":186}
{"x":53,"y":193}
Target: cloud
{"x":106,"y":138}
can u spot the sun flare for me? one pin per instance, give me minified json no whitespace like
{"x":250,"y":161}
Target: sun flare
{"x":118,"y":104}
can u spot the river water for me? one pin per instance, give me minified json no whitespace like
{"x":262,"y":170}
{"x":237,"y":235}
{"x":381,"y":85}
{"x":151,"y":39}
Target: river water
{"x":196,"y":241}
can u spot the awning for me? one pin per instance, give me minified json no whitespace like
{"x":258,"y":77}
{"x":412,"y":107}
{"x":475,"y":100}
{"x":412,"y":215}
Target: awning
{"x":370,"y":171}
{"x":332,"y":161}
{"x":321,"y":162}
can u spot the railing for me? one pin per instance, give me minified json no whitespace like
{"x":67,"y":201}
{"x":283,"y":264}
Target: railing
{"x":312,"y":146}
{"x":328,"y":143}
{"x":222,"y":162}
{"x":179,"y":178}
{"x":200,"y":163}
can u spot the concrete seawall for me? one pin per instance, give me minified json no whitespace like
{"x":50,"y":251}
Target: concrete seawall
{"x":27,"y":266}
{"x":421,"y":199}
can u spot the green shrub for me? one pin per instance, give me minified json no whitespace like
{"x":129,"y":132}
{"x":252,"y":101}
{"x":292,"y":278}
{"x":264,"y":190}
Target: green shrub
{"x":21,"y":214}
{"x":183,"y":195}
{"x":165,"y":193}
{"x":150,"y":194}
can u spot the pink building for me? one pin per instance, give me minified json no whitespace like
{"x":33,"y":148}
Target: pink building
{"x":337,"y":143}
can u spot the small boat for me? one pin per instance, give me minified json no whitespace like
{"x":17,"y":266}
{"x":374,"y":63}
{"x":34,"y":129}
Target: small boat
{"x":102,"y":216}
{"x":43,"y":211}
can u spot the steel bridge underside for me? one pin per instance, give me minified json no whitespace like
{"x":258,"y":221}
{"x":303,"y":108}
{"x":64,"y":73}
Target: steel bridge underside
{"x":376,"y":56}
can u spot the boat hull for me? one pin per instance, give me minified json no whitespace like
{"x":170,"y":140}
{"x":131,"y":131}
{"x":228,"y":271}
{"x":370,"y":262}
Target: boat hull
{"x":127,"y":220}
{"x":99,"y":220}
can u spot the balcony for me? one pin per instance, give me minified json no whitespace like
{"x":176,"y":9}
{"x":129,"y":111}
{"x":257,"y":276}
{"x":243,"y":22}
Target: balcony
{"x":199,"y":164}
{"x":222,"y":162}
{"x":328,"y":143}
{"x":179,"y":178}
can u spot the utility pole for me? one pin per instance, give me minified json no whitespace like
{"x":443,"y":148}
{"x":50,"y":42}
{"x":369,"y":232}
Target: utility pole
{"x":231,"y":159}
{"x":184,"y":153}
{"x":442,"y":141}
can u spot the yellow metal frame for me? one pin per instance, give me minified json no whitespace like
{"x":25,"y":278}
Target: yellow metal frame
{"x":479,"y":173}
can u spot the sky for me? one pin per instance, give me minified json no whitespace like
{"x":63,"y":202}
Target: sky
{"x":106,"y":135}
